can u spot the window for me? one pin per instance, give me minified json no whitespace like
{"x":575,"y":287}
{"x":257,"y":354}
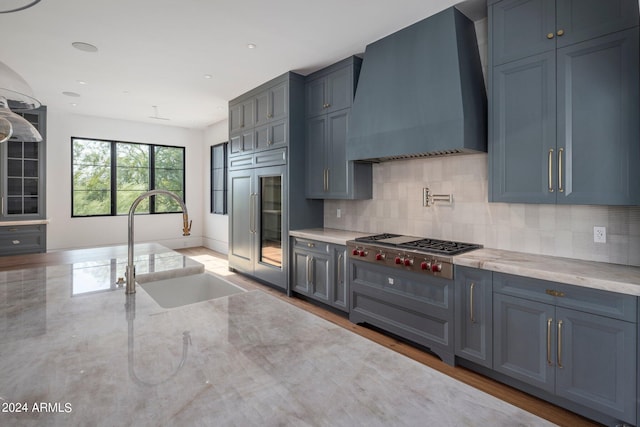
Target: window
{"x":109,"y":175}
{"x":219,"y":178}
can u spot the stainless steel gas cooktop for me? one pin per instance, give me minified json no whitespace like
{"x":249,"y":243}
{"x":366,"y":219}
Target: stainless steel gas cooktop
{"x":430,"y":256}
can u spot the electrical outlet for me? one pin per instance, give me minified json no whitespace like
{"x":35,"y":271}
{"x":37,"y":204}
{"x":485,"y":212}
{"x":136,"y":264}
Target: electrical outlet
{"x":600,"y":234}
{"x":338,"y":213}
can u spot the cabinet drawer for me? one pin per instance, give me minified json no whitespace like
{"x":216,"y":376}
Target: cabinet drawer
{"x":310,"y":245}
{"x":595,"y":301}
{"x":22,"y":239}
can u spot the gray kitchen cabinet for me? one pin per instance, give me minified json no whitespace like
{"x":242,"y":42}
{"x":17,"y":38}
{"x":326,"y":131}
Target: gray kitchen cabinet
{"x":474,"y":315}
{"x":266,"y":181}
{"x":272,"y":104}
{"x":318,"y":271}
{"x":259,"y":121}
{"x":563,"y":115}
{"x":523,"y":28}
{"x":329,"y":97}
{"x":23,"y":190}
{"x":575,"y":343}
{"x":241,"y":115}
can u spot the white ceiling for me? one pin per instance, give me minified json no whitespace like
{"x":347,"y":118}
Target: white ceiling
{"x":156,"y":52}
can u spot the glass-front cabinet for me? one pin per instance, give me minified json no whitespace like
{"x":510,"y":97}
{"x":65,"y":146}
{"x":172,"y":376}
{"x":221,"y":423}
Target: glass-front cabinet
{"x":22,"y":191}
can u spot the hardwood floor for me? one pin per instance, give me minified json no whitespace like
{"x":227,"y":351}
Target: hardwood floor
{"x":217,"y":263}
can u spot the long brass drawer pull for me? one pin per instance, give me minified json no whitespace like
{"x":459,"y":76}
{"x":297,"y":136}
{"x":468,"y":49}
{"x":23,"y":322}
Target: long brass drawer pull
{"x":550,"y":170}
{"x":554,"y":293}
{"x":560,"y":344}
{"x":340,"y":268}
{"x":471,"y":314}
{"x":549,"y":362}
{"x":308,"y":269}
{"x":560,"y":188}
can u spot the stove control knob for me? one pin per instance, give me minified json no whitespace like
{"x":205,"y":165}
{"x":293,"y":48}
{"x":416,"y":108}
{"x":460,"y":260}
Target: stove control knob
{"x":436,"y":268}
{"x":424,"y":265}
{"x":399,"y":260}
{"x":408,"y":262}
{"x":363,"y":253}
{"x":355,"y":252}
{"x":380,"y":256}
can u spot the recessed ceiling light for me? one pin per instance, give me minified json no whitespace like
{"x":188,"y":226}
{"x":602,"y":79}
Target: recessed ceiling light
{"x":82,"y":82}
{"x":73,"y":104}
{"x":85,"y":47}
{"x":72,"y":94}
{"x":208,"y":76}
{"x":251,"y":46}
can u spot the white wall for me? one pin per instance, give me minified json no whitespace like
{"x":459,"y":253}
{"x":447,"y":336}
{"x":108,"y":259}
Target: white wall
{"x":216,"y":227}
{"x":65,"y":232}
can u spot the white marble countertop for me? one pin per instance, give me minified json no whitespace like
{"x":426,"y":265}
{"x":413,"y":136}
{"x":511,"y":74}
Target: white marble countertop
{"x":329,"y":235}
{"x":248,"y":359}
{"x":590,"y":274}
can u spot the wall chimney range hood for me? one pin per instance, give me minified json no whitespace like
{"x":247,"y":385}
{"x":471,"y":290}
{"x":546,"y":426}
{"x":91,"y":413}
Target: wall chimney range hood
{"x":421,"y":93}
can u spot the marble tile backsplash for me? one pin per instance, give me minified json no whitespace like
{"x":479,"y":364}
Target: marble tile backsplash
{"x":565,"y":231}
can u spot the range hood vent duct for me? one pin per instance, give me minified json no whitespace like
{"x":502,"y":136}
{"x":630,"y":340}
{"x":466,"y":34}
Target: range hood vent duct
{"x":421,"y":93}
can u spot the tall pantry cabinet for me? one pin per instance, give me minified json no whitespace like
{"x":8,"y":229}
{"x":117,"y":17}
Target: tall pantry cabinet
{"x":564,"y":102}
{"x":266,"y":179}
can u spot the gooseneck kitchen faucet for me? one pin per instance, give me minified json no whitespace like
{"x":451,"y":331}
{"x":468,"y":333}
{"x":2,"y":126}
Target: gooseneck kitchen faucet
{"x":130,"y":273}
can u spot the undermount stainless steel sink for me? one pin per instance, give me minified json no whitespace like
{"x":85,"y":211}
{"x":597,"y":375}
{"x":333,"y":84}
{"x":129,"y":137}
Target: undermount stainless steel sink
{"x":185,"y":290}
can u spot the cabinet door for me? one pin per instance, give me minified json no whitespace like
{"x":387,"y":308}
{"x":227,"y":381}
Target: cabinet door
{"x":339,"y":90}
{"x":339,"y":183}
{"x":316,"y":97}
{"x":301,"y":268}
{"x":262,"y":108}
{"x":520,"y":28}
{"x":248,"y":114}
{"x":242,"y":223}
{"x":278,"y":102}
{"x":316,"y":167}
{"x":582,"y":20}
{"x":523,"y":131}
{"x":474,"y":315}
{"x":598,"y":114}
{"x":235,"y":118}
{"x":596,"y":363}
{"x":320,"y":276}
{"x":339,"y":289}
{"x":524,"y":340}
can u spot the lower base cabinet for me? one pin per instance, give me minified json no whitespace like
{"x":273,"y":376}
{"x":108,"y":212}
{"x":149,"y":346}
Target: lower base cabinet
{"x":318,"y":272}
{"x":575,"y":343}
{"x":23,"y":239}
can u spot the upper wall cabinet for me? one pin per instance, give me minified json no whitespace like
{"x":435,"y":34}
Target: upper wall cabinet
{"x":259,"y":120}
{"x":564,"y":102}
{"x":329,"y":95}
{"x":523,"y":28}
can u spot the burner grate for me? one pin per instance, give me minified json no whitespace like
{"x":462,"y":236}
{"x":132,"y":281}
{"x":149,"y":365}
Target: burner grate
{"x":440,"y":246}
{"x":376,"y":237}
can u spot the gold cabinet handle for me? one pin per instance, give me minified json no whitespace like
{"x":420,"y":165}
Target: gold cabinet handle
{"x":252,"y":213}
{"x":550,"y":36}
{"x":308,"y":269}
{"x":560,"y":33}
{"x":471,"y":314}
{"x":340,"y":267}
{"x":16,"y":242}
{"x":325,"y":180}
{"x":560,"y":344}
{"x":311,"y":245}
{"x":560,"y":188}
{"x":549,"y":362}
{"x":550,"y":163}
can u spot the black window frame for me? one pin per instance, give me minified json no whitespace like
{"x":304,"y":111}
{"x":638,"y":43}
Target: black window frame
{"x":113,"y":176}
{"x":220,"y":148}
